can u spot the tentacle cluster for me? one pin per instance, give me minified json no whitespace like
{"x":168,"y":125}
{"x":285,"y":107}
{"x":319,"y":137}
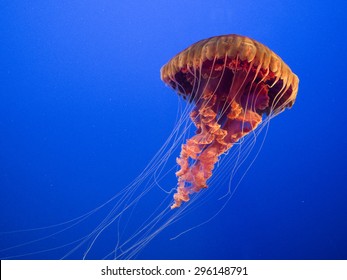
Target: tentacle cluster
{"x":211,"y":141}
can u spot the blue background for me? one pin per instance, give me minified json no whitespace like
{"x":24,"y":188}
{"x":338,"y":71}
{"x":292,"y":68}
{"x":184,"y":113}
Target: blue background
{"x":83,"y":110}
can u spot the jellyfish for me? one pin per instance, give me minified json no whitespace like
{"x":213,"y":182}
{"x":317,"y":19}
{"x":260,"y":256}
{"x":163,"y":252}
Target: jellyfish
{"x":233,"y":81}
{"x":233,"y":86}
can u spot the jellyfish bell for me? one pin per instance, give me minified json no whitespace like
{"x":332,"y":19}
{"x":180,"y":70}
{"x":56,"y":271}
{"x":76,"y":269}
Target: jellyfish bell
{"x":233,"y":86}
{"x":232,"y":81}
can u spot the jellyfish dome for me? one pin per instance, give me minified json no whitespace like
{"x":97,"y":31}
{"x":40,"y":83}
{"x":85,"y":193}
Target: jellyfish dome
{"x":234,"y":82}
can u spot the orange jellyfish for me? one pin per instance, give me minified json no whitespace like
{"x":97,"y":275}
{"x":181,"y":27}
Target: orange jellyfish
{"x":234,"y":82}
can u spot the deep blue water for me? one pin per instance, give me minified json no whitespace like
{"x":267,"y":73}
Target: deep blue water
{"x":83,"y":110}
